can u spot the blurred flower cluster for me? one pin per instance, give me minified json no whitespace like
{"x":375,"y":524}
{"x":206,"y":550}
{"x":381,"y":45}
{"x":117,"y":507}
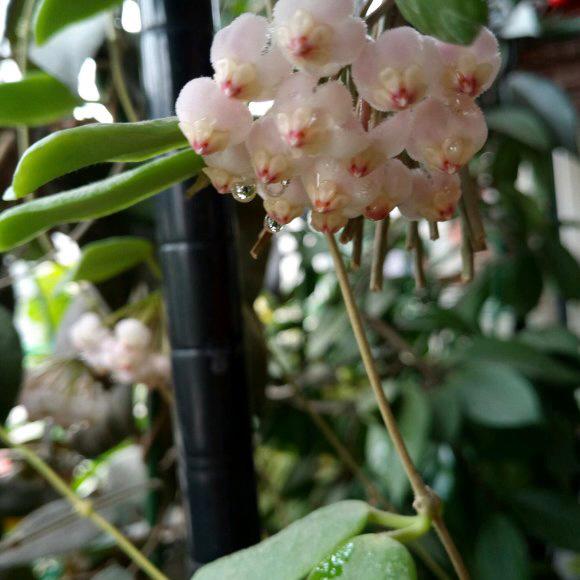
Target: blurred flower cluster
{"x":358,"y":126}
{"x":126,"y":354}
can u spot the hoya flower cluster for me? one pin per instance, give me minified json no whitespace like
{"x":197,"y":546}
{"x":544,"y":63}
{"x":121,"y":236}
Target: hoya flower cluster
{"x":328,"y":148}
{"x":126,"y":353}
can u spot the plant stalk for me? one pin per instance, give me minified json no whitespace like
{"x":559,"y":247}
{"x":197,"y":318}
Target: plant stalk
{"x":426,"y":501}
{"x":83,"y":507}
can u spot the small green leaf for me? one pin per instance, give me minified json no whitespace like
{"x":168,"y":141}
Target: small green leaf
{"x":501,"y":551}
{"x":53,"y":15}
{"x":548,"y":101}
{"x":550,"y":516}
{"x":293,"y":552}
{"x":107,"y":258}
{"x":562,"y":267}
{"x":526,"y":359}
{"x":456,"y":21}
{"x":22,"y":223}
{"x":38,"y":99}
{"x":10,"y":363}
{"x":66,"y":151}
{"x":414,"y":422}
{"x":521,"y":124}
{"x":368,"y":557}
{"x":496,"y":395}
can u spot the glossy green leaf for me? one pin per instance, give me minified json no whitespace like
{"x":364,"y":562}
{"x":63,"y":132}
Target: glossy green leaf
{"x":10,"y":363}
{"x":414,"y":421}
{"x":66,"y":151}
{"x":37,"y":99}
{"x":54,"y":15}
{"x":107,"y":258}
{"x":501,"y":551}
{"x":563,"y":268}
{"x":22,"y":223}
{"x":548,"y":101}
{"x":496,"y":395}
{"x":521,"y":124}
{"x":557,"y":340}
{"x":523,"y":357}
{"x":368,"y":557}
{"x":456,"y":21}
{"x":548,"y":515}
{"x":292,"y":553}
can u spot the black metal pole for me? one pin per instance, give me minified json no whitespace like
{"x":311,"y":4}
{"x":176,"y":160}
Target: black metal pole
{"x":197,"y":241}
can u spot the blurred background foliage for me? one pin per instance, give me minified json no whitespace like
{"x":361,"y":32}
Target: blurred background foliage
{"x":484,"y":377}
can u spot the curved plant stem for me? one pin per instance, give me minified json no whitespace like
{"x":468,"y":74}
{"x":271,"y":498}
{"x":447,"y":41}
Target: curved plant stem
{"x":83,"y":507}
{"x":426,"y":501}
{"x":116,"y":60}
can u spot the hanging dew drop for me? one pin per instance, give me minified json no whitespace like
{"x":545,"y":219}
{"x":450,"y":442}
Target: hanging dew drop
{"x":244,"y":192}
{"x":272,"y":225}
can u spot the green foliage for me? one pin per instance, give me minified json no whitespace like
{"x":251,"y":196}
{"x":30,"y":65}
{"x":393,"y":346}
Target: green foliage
{"x":562,"y":267}
{"x":521,"y":124}
{"x":53,"y":15}
{"x":105,"y":259}
{"x":293,"y":552}
{"x":501,"y":551}
{"x":370,"y":556}
{"x":548,"y":102}
{"x":456,"y":21}
{"x":496,"y":395}
{"x":36,"y":100}
{"x":550,"y":516}
{"x":10,"y":363}
{"x":66,"y":151}
{"x":22,"y":223}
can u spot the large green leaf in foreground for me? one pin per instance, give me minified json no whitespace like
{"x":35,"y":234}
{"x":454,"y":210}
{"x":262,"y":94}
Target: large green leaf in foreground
{"x":292,"y":553}
{"x":22,"y":223}
{"x":72,"y":149}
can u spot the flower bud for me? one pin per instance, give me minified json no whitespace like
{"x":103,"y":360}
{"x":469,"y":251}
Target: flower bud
{"x":390,"y":73}
{"x":132,"y":333}
{"x":246,"y":67}
{"x":434,"y":196}
{"x":228,"y":167}
{"x":395,"y":187}
{"x":318,"y":36}
{"x":329,"y":222}
{"x":464,"y":70}
{"x":87,"y":332}
{"x":210,"y":121}
{"x":446,"y":139}
{"x":288,"y":203}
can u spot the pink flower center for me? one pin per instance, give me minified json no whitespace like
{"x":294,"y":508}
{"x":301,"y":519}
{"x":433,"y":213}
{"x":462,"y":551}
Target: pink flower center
{"x":402,"y":98}
{"x":300,"y":46}
{"x":467,"y":84}
{"x":201,"y":147}
{"x":376,"y":212}
{"x":295,"y":137}
{"x":447,"y":212}
{"x":358,"y":170}
{"x":450,"y":167}
{"x":230,"y":89}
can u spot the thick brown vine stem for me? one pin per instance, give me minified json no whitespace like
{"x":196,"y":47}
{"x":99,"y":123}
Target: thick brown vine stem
{"x":263,"y":240}
{"x":426,"y":501}
{"x":379,"y":254}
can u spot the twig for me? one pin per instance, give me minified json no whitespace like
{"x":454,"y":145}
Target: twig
{"x":467,"y":257}
{"x":347,"y":232}
{"x":116,"y":60}
{"x":433,"y":231}
{"x":417,"y":246}
{"x":380,"y":246}
{"x":357,"y":243}
{"x":426,"y":501}
{"x":470,"y":202}
{"x":83,"y":507}
{"x":263,"y":240}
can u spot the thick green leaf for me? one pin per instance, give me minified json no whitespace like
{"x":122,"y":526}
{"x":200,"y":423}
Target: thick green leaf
{"x":10,"y":363}
{"x":22,"y":223}
{"x":550,"y":516}
{"x":368,"y":557}
{"x":548,"y":101}
{"x":53,"y":15}
{"x":107,"y":258}
{"x":37,"y":99}
{"x":293,"y":552}
{"x":520,"y":124}
{"x":456,"y":21}
{"x":523,"y":357}
{"x":72,"y":149}
{"x":563,"y":268}
{"x":501,"y":551}
{"x":414,"y":422}
{"x":557,"y":340}
{"x":496,"y":395}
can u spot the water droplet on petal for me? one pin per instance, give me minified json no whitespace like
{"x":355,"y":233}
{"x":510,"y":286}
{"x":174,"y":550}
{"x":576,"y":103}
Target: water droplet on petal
{"x":244,"y":192}
{"x":272,"y":225}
